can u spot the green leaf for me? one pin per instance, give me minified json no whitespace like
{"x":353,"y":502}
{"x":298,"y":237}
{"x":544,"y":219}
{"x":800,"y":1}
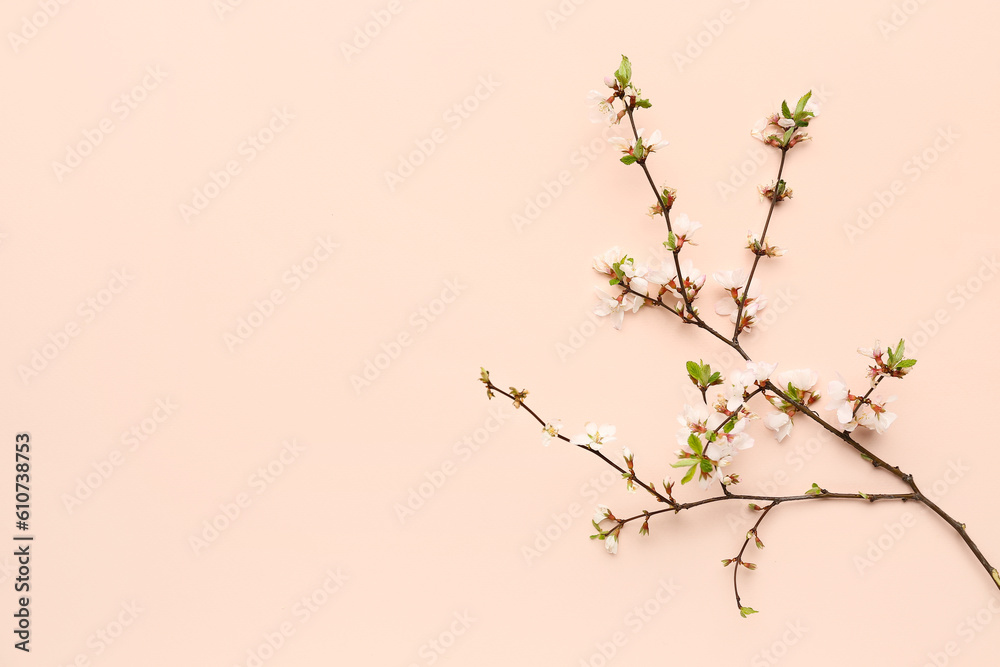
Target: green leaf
{"x":694,"y":370}
{"x":695,"y":444}
{"x":628,"y":159}
{"x":863,"y":495}
{"x":814,"y":490}
{"x":689,"y":475}
{"x":787,"y":135}
{"x":717,"y":378}
{"x":624,"y":73}
{"x":671,"y":242}
{"x":784,"y":110}
{"x":906,"y":363}
{"x":706,"y":466}
{"x":613,"y":281}
{"x":645,"y":104}
{"x":800,"y":107}
{"x":681,"y":463}
{"x":746,"y":611}
{"x":729,"y":425}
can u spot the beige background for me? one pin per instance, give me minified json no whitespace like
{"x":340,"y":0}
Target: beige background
{"x":455,"y":573}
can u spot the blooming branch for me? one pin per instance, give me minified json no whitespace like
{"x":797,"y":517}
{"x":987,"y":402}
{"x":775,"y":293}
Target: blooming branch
{"x":714,"y":431}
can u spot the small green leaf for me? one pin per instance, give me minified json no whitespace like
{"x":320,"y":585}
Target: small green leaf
{"x":690,"y":475}
{"x":695,"y":444}
{"x":746,"y":611}
{"x":800,"y":107}
{"x":645,"y":104}
{"x":787,"y":135}
{"x":628,"y":159}
{"x":784,"y":110}
{"x":694,"y":370}
{"x":863,"y":495}
{"x":682,"y":463}
{"x":814,"y":490}
{"x":706,"y":466}
{"x":624,"y":73}
{"x":906,"y":363}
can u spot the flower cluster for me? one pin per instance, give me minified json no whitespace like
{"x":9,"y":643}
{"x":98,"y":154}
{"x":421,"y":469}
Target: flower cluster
{"x":894,"y":364}
{"x":709,"y":439}
{"x":734,"y":282}
{"x":853,"y":411}
{"x":595,"y":436}
{"x":763,"y":248}
{"x":604,"y":106}
{"x":637,"y":149}
{"x":668,"y":196}
{"x":798,"y":386}
{"x":784,"y":129}
{"x":644,"y":281}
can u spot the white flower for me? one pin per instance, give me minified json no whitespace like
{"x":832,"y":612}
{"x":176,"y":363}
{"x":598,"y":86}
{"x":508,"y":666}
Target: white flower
{"x":875,"y":416}
{"x":765,"y":130}
{"x":602,"y":107}
{"x":786,"y":122}
{"x":693,"y":278}
{"x":622,"y":144}
{"x":758,"y":371}
{"x":838,"y":393}
{"x":664,"y":274}
{"x":616,"y":307}
{"x":684,"y":228}
{"x":602,"y":513}
{"x":636,"y":274}
{"x":605,"y":263}
{"x":755,"y":302}
{"x":611,"y":542}
{"x":731,"y":280}
{"x":550,"y":431}
{"x":655,"y":141}
{"x":780,"y":423}
{"x":595,"y":437}
{"x":872,"y":352}
{"x":802,"y":379}
{"x":733,"y":393}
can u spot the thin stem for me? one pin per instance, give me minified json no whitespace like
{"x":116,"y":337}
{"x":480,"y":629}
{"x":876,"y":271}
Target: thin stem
{"x":739,"y":557}
{"x":864,"y":399}
{"x":635,"y":478}
{"x":757,"y":256}
{"x":825,"y":495}
{"x":666,"y":216}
